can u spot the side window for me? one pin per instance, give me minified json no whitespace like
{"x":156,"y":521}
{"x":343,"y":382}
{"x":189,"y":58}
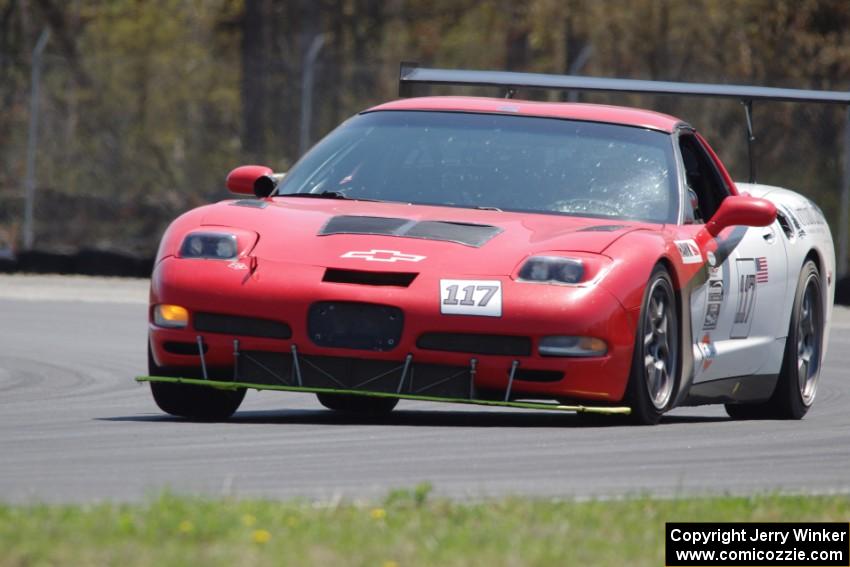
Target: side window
{"x":705,"y":185}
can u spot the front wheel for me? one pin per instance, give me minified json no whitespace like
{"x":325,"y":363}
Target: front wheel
{"x":190,"y":401}
{"x":655,"y":365}
{"x":364,"y":405}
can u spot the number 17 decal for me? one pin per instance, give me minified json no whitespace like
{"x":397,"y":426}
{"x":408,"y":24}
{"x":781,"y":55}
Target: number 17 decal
{"x":471,"y":297}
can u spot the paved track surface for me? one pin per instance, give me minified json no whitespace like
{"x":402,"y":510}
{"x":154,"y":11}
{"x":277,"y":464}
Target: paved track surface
{"x":75,"y":427}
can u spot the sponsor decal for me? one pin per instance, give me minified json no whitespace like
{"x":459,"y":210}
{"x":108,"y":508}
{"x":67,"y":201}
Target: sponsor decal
{"x":471,"y":297}
{"x":809,"y":215}
{"x":807,"y":218}
{"x":712,"y":314}
{"x":715,"y":290}
{"x":382,"y":256}
{"x":689,"y":251}
{"x":237,"y":266}
{"x":761,"y":270}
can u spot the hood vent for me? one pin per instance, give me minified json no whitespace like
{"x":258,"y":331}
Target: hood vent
{"x":253,"y":203}
{"x":360,"y":277}
{"x":467,"y":234}
{"x":602,"y":228}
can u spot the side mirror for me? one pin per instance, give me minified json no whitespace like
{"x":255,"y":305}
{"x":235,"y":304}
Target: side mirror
{"x":257,"y":180}
{"x":242,"y":179}
{"x":741,"y":211}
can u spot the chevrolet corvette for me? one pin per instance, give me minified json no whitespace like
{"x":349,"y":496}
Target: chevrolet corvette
{"x":504,"y":252}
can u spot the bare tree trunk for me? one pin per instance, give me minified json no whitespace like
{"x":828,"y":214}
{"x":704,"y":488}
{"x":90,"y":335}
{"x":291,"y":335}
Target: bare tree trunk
{"x":310,"y":29}
{"x":65,"y":38}
{"x":574,"y":43}
{"x":9,"y":37}
{"x":366,"y":27}
{"x":332,"y":112}
{"x":253,"y":80}
{"x":517,"y":51}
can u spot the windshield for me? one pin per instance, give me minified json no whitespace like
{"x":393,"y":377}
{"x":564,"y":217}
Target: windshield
{"x":506,"y":162}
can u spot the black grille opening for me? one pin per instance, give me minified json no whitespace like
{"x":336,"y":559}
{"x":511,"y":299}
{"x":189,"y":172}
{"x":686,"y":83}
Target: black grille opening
{"x":175,"y":347}
{"x":238,"y":325}
{"x":529,"y":375}
{"x":276,"y":368}
{"x":360,"y":277}
{"x":475,"y":343}
{"x":362,"y":326}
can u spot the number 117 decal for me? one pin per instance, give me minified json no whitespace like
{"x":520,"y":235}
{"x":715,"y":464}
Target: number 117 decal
{"x":471,"y":297}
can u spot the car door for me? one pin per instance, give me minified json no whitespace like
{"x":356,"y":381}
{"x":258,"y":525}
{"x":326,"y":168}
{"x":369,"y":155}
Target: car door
{"x":742,"y":306}
{"x":734,"y":315}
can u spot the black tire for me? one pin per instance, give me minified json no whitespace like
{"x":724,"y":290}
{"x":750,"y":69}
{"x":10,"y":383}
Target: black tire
{"x":363,"y":405}
{"x":651,"y":393}
{"x":798,"y":378}
{"x":747,"y":411}
{"x":189,"y":401}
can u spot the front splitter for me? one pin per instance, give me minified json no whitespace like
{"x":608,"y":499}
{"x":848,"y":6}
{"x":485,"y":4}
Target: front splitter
{"x":610,"y":410}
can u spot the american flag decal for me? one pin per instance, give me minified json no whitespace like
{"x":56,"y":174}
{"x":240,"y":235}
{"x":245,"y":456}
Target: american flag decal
{"x":761,"y":270}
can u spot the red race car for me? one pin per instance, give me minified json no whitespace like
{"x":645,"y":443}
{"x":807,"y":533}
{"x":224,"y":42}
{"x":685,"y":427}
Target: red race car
{"x":504,"y":252}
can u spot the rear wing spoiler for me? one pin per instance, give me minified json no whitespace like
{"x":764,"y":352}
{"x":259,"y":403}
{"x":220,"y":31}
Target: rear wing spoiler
{"x":411,"y":74}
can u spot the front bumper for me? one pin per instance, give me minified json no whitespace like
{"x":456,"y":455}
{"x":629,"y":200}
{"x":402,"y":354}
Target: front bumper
{"x":284,"y":293}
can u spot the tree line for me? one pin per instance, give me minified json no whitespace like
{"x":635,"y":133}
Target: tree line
{"x":146,"y":105}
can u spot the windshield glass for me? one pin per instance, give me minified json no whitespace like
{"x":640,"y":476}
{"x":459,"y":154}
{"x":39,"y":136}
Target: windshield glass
{"x":515,"y":163}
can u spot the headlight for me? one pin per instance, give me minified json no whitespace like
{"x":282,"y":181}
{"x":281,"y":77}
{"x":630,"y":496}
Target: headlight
{"x":572,"y":346}
{"x":210,"y":245}
{"x":552,"y":269}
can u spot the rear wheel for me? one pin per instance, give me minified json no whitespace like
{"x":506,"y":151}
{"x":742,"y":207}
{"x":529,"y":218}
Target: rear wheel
{"x":365,"y":405}
{"x":798,"y":377}
{"x":655,"y":365}
{"x":190,"y":401}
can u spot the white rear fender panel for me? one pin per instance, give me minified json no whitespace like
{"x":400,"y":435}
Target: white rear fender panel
{"x":805,"y":231}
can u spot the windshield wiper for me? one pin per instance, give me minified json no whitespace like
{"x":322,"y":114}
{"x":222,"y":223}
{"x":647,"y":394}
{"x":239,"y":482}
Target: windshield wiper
{"x":322,"y":195}
{"x":327,"y":195}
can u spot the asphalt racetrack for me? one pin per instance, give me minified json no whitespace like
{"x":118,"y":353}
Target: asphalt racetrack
{"x":74,"y":426}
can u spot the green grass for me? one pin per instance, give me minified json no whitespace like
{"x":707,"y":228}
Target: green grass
{"x":406,"y":528}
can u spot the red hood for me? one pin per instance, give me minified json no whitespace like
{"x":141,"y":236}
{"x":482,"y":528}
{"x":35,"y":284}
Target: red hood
{"x":289,"y":232}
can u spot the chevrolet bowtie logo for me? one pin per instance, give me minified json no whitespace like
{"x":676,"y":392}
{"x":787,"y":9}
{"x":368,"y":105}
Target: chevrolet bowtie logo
{"x":383,"y":256}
